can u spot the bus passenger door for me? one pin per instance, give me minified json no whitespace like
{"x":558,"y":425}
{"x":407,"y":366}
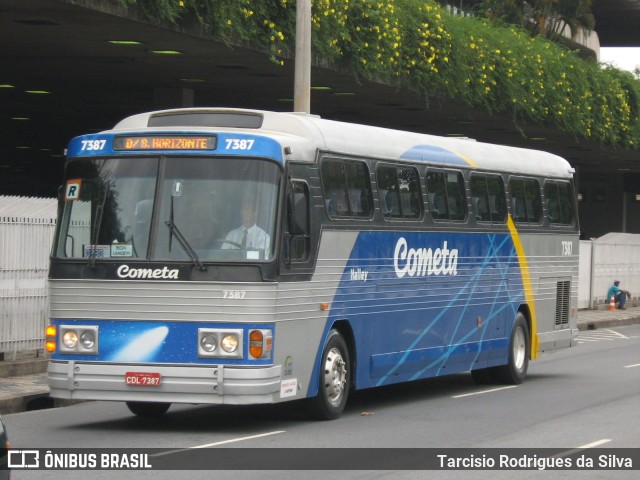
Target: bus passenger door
{"x":300,"y":227}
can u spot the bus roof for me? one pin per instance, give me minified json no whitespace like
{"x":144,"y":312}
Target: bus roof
{"x":306,"y":134}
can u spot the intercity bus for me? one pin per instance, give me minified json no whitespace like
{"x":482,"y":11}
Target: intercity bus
{"x":373,"y":257}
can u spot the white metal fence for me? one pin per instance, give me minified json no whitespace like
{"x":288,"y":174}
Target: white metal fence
{"x":26,"y":231}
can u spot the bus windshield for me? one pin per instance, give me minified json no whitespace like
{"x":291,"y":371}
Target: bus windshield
{"x":177,"y":208}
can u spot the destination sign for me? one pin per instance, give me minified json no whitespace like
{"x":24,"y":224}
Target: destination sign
{"x":164,"y":142}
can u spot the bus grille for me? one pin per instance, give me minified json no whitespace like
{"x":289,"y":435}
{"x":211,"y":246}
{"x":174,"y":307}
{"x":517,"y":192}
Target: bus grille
{"x":563,"y":299}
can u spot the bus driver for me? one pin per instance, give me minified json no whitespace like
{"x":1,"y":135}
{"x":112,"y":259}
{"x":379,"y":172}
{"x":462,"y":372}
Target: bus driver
{"x":248,"y":235}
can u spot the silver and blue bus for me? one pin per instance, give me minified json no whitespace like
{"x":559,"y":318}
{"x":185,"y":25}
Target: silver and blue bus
{"x":229,"y":256}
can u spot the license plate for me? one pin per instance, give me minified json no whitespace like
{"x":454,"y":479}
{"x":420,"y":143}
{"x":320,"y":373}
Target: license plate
{"x":142,"y":379}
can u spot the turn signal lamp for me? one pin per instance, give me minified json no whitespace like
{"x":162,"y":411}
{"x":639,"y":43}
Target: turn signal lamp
{"x":50,"y":344}
{"x":260,"y":343}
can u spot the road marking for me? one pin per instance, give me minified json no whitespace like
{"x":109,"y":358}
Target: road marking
{"x":484,"y":391}
{"x":216,"y":444}
{"x":597,"y":335}
{"x":597,"y":443}
{"x":631,"y":366}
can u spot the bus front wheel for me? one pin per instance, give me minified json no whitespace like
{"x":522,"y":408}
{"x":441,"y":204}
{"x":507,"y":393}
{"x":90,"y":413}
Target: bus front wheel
{"x":148,"y":409}
{"x":515,"y":371}
{"x":334,"y":380}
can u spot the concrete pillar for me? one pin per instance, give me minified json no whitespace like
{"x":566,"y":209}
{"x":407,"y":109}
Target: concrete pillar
{"x":172,"y":98}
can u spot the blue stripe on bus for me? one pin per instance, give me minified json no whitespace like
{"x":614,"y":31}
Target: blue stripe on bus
{"x":431,"y":153}
{"x":233,"y":144}
{"x":411,"y":321}
{"x":142,"y":342}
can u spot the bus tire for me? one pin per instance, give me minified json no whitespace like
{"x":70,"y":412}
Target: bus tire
{"x":334,"y":380}
{"x":148,"y":409}
{"x":514,"y":372}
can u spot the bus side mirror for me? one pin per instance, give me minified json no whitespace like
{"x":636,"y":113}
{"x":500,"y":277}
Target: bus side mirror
{"x":297,"y":213}
{"x":297,"y":247}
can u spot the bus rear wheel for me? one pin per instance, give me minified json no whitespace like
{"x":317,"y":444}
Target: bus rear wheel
{"x":515,"y":371}
{"x":334,"y":381}
{"x":148,"y":409}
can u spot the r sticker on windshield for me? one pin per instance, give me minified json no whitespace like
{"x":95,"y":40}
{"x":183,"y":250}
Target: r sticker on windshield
{"x":72,"y":191}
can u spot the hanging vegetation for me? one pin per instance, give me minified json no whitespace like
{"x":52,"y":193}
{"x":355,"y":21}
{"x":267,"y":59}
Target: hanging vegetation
{"x":418,"y":45}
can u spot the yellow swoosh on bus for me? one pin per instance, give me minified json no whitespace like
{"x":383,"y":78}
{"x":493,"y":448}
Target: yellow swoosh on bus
{"x":526,"y":283}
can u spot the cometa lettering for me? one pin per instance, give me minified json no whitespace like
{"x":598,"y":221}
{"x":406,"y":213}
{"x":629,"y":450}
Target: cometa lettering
{"x":419,"y":262}
{"x":124,"y":271}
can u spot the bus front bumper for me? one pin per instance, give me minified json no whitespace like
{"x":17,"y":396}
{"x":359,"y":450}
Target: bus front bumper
{"x":216,"y":384}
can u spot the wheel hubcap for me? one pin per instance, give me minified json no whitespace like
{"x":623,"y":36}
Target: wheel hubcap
{"x":519,"y":349}
{"x":335,"y":375}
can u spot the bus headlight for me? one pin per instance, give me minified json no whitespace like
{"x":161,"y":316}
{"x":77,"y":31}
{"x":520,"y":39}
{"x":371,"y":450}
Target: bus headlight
{"x":87,"y":339}
{"x":229,"y":342}
{"x":208,"y":343}
{"x":70,"y":339}
{"x":78,"y":339}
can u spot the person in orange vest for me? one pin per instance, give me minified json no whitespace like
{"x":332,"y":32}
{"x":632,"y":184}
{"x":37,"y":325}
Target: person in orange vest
{"x":618,"y":294}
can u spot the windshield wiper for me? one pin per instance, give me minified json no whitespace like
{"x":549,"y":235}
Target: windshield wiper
{"x":98,"y":224}
{"x":174,"y":230}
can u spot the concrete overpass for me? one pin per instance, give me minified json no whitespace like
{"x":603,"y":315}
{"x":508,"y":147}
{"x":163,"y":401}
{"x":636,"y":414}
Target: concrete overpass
{"x":617,"y":22}
{"x":66,"y":49}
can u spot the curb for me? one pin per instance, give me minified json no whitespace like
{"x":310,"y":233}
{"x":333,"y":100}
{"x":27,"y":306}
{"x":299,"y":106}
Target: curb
{"x":34,"y":401}
{"x":613,"y":322}
{"x":27,"y":366}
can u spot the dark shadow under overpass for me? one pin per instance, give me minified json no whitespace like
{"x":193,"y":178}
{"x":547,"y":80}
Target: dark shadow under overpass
{"x":66,"y":50}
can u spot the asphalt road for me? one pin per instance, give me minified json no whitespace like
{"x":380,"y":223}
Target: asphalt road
{"x":574,"y":399}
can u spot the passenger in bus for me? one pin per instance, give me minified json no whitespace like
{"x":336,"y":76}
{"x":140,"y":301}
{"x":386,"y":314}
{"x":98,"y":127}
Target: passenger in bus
{"x":619,"y":295}
{"x":248,"y":235}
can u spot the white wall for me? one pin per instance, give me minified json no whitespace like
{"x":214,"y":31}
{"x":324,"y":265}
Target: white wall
{"x":615,"y":256}
{"x":584,"y":274}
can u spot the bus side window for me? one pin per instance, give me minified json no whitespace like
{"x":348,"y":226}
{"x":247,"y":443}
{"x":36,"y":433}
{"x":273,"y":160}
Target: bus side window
{"x":437,"y":196}
{"x":559,"y":203}
{"x":447,"y":193}
{"x":481,"y":209}
{"x":399,"y":192}
{"x":526,"y":204}
{"x":496,"y":195}
{"x":359,"y":187}
{"x":553,"y":206}
{"x":457,"y":199}
{"x":498,"y":206}
{"x":479,"y":202}
{"x":347,"y":189}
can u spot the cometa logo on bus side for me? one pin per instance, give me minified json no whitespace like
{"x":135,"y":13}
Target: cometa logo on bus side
{"x":418,"y":262}
{"x":164,"y":273}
